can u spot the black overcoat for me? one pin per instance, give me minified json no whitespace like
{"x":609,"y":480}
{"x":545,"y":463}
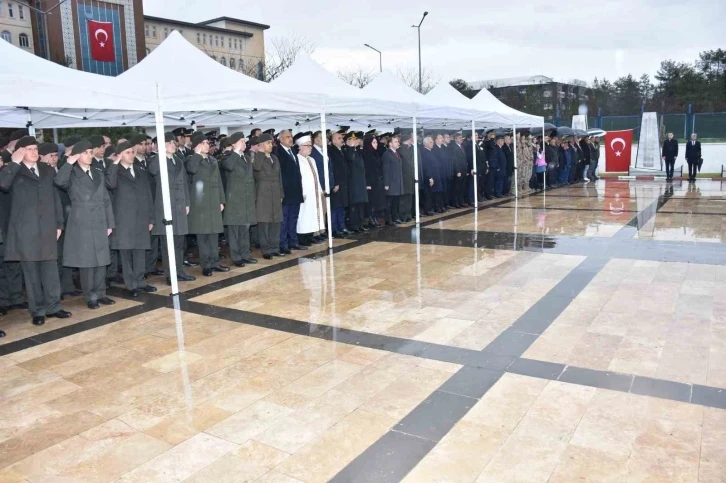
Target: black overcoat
{"x":133,"y":207}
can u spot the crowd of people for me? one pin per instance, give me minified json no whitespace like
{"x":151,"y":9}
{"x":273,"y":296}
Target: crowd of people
{"x":93,"y":208}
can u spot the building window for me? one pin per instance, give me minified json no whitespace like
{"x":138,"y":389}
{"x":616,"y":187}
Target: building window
{"x":235,"y":44}
{"x":153,"y":31}
{"x":146,"y":29}
{"x":241,"y":64}
{"x":199,"y":41}
{"x":232,"y":63}
{"x":21,"y":12}
{"x":11,"y":14}
{"x":547,"y":93}
{"x":222,"y":41}
{"x":23,"y":40}
{"x":7,"y":37}
{"x":223,"y":61}
{"x":229,"y":42}
{"x":204,"y":39}
{"x":216,"y":40}
{"x":166,"y":32}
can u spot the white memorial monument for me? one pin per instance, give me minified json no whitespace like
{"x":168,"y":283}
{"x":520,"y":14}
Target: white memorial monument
{"x":648,"y":149}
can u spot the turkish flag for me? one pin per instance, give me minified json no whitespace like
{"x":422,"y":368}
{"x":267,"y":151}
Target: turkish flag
{"x":618,"y":150}
{"x":100,"y":35}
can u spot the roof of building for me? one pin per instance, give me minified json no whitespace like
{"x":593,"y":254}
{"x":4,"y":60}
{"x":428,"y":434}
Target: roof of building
{"x":524,"y":81}
{"x":203,"y":25}
{"x":236,"y":20}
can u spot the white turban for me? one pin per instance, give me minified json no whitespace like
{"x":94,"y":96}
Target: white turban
{"x":304,"y":139}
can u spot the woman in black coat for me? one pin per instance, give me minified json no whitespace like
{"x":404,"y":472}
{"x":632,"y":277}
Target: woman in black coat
{"x":374,"y":179}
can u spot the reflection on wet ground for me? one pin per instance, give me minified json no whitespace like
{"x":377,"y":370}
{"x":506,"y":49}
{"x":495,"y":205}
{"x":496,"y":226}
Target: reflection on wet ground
{"x":574,"y":335}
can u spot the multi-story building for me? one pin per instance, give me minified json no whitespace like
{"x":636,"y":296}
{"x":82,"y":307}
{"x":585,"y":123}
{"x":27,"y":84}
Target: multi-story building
{"x":15,"y":24}
{"x":235,"y":43}
{"x":537,"y":93}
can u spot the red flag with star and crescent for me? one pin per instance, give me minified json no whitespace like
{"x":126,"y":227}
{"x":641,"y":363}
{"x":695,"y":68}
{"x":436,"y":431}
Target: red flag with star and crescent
{"x":618,"y":150}
{"x":100,"y":35}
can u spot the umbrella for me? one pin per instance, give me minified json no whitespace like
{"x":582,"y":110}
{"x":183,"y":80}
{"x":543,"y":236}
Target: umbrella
{"x":596,"y":132}
{"x":537,"y":131}
{"x":565,"y":131}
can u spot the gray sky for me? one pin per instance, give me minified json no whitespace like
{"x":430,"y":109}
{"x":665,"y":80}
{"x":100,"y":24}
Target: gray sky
{"x":463,"y":39}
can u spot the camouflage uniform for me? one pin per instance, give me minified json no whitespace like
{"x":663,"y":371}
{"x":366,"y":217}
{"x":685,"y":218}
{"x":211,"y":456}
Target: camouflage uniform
{"x":525,"y":160}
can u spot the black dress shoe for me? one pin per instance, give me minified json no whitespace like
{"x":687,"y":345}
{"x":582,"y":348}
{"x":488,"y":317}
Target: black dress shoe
{"x":134,"y":293}
{"x":23,"y":305}
{"x":93,"y":305}
{"x":187,"y":263}
{"x":74,"y":293}
{"x":39,"y":320}
{"x":149,"y":289}
{"x":364,"y":229}
{"x":250,"y":261}
{"x":207,"y":272}
{"x":168,"y":281}
{"x":220,"y":268}
{"x":185,"y":277}
{"x":61,"y":314}
{"x":106,"y":301}
{"x":299,"y":247}
{"x":284,"y":251}
{"x":239,"y":263}
{"x":3,"y":310}
{"x":390,"y":223}
{"x":2,"y":334}
{"x":267,"y":257}
{"x":157,"y":272}
{"x":338,"y":234}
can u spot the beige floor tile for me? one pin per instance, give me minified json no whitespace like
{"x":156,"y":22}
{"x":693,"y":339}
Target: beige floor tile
{"x":248,"y":423}
{"x":324,"y":378}
{"x":583,"y":464}
{"x":185,"y":424}
{"x":182,"y":461}
{"x":275,"y":477}
{"x":228,"y":469}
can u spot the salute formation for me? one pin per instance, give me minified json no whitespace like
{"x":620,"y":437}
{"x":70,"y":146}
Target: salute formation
{"x":99,"y":209}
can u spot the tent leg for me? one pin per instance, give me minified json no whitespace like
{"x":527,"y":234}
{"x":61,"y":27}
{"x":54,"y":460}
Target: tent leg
{"x":326,"y":172}
{"x":31,"y":128}
{"x":415,"y":172}
{"x":159,"y":115}
{"x":473,"y":166}
{"x":516,"y":171}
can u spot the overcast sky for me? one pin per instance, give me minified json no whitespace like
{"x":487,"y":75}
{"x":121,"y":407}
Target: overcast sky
{"x":466,"y":39}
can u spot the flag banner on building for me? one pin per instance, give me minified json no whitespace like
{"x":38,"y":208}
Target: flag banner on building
{"x":618,"y":151}
{"x":101,"y":40}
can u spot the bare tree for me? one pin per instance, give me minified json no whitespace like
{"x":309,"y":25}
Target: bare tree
{"x":409,"y":75}
{"x":283,"y":54}
{"x":357,"y":77}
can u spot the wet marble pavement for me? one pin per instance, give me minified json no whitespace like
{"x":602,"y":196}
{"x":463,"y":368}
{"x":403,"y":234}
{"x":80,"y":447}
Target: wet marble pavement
{"x":566,"y":336}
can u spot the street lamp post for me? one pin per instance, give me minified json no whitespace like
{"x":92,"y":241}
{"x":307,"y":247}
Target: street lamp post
{"x":380,"y":57}
{"x":420,"y":76}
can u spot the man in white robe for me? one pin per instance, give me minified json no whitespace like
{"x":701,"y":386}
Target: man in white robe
{"x":311,"y":219}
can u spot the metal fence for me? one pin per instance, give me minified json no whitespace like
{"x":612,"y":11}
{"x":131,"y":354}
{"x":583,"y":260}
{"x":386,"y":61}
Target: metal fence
{"x":707,"y":125}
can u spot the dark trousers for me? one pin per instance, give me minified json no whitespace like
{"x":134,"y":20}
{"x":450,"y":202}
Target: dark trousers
{"x":269,"y":237}
{"x":338,"y":219}
{"x":486,"y":187}
{"x":42,"y":286}
{"x":425,"y":198}
{"x":93,"y":283}
{"x":178,"y":254}
{"x":133,"y":265}
{"x":65,"y":273}
{"x":356,"y":212}
{"x":692,"y":169}
{"x":11,"y":283}
{"x":438,"y":201}
{"x":670,"y":167}
{"x":112,"y":268}
{"x":208,"y":245}
{"x":592,"y":173}
{"x":507,"y":184}
{"x":238,"y":240}
{"x":496,"y":182}
{"x":288,"y":229}
{"x":152,"y":256}
{"x":405,"y":207}
{"x":392,"y":203}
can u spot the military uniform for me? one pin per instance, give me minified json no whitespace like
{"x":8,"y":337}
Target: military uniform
{"x":240,"y":210}
{"x":268,"y":201}
{"x":205,"y":216}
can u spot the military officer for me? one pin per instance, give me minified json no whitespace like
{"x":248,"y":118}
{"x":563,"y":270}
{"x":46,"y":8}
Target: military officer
{"x":133,"y":211}
{"x":268,"y":196}
{"x":36,"y":223}
{"x":207,"y":204}
{"x":90,"y":223}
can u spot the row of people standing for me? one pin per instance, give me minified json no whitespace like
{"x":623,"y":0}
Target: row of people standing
{"x":571,"y":159}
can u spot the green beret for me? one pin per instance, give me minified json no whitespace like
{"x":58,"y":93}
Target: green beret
{"x":96,"y":141}
{"x":235,"y":137}
{"x":109,"y":151}
{"x":252,"y":141}
{"x":197,"y":139}
{"x":263,"y":138}
{"x":80,"y":147}
{"x":137,"y":139}
{"x":47,"y":148}
{"x":26,"y":141}
{"x":71,"y":141}
{"x":169,"y":137}
{"x":20,"y":133}
{"x":123,"y":146}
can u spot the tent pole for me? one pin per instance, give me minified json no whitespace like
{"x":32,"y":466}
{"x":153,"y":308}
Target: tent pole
{"x":415,"y":172}
{"x":165,"y":192}
{"x":31,"y":128}
{"x":473,"y":166}
{"x":326,"y":171}
{"x":516,"y":171}
{"x":544,"y":153}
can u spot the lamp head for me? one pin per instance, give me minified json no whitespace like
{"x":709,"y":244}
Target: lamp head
{"x":425,"y":13}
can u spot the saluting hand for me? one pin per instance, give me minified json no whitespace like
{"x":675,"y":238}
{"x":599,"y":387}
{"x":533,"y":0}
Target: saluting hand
{"x":18,"y":155}
{"x":73,"y":159}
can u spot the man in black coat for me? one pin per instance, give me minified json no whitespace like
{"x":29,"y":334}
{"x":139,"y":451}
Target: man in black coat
{"x":133,"y":210}
{"x":509,"y":170}
{"x":357,"y":184}
{"x":693,"y":157}
{"x":669,"y":154}
{"x":393,"y":181}
{"x":339,"y":197}
{"x":36,"y":223}
{"x":406,"y":205}
{"x":497,"y":168}
{"x":457,"y":190}
{"x":292,"y":187}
